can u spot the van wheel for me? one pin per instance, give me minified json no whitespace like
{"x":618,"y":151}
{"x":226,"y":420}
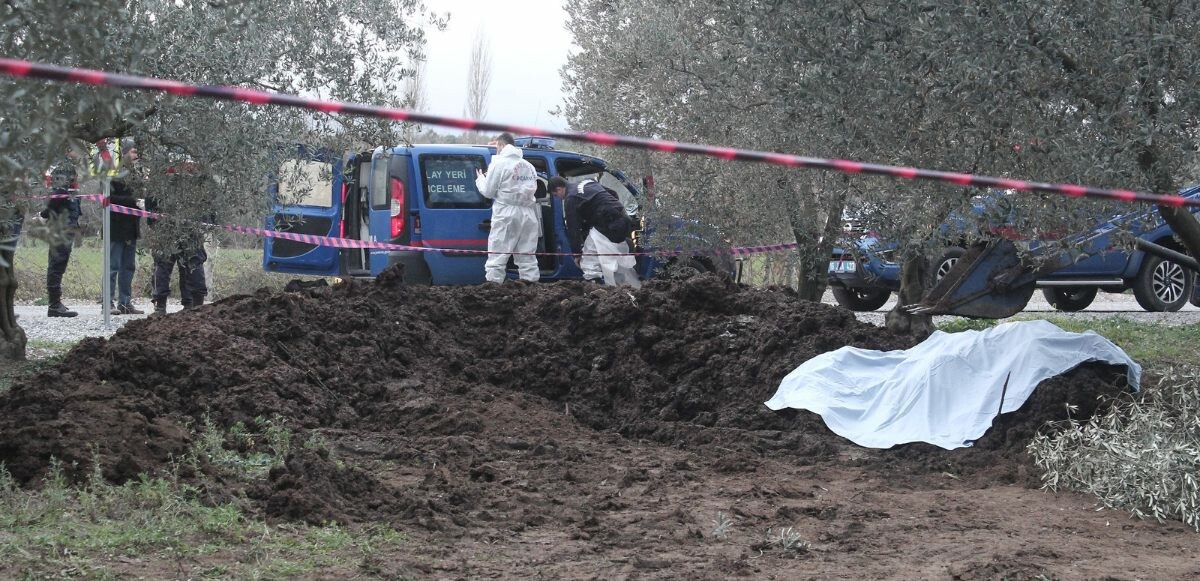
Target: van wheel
{"x":947,"y":261}
{"x":861,"y":299}
{"x":700,"y":264}
{"x":688,"y":267}
{"x":1162,"y":285}
{"x":1070,"y":298}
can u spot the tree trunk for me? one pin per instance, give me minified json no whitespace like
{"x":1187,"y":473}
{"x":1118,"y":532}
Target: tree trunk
{"x":12,"y":336}
{"x":813,"y":246}
{"x":913,"y":274}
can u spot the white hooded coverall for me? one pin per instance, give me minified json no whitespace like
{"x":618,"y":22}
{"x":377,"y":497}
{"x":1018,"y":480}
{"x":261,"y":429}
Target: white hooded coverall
{"x":511,"y":182}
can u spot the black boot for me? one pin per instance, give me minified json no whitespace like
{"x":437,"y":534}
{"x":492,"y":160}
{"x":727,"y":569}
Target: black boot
{"x":57,"y":309}
{"x":160,"y":306}
{"x":129,"y":310}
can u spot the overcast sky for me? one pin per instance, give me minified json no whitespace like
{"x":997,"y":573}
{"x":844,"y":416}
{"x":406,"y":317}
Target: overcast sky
{"x":529,"y":44}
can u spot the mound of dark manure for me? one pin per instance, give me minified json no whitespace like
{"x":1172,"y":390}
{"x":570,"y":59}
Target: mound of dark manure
{"x":685,"y":362}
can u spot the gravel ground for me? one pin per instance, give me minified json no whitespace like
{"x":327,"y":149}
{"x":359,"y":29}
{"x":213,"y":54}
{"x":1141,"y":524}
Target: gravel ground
{"x":1105,"y":306}
{"x":90,"y":323}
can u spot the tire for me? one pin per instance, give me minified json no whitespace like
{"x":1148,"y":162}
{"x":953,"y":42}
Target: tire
{"x":1195,"y":300}
{"x":1162,"y":285}
{"x":687,"y":267}
{"x":861,"y":299}
{"x":947,"y":261}
{"x":701,"y":265}
{"x":1070,"y":298}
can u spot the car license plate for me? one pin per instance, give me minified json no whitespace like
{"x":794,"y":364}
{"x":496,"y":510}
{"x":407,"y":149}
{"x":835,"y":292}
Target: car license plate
{"x":838,"y":266}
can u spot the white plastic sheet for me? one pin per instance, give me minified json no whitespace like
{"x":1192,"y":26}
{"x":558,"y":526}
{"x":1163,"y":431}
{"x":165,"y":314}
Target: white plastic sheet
{"x":616,"y":270}
{"x":945,"y":391}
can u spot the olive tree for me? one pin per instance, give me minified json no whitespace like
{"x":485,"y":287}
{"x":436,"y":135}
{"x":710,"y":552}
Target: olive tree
{"x":1047,"y":91}
{"x":358,"y":50}
{"x":842,"y":79}
{"x":699,"y":72}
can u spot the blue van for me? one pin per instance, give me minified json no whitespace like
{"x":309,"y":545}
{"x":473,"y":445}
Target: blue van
{"x":425,"y":196}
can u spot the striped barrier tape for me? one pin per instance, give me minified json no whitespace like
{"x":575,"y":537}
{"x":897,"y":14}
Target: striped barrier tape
{"x":349,"y":243}
{"x":22,"y":68}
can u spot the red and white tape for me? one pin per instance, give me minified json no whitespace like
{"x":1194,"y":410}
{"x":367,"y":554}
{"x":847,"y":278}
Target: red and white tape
{"x":22,"y":68}
{"x":350,"y":243}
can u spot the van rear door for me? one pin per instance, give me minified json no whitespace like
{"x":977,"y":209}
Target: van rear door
{"x":453,"y":214}
{"x":306,"y":197}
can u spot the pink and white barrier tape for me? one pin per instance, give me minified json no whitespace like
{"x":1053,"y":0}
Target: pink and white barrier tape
{"x":22,"y":68}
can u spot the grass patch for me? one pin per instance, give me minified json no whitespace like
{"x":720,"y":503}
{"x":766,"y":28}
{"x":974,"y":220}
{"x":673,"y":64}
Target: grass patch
{"x":159,"y":527}
{"x":961,"y":324}
{"x":235,"y":271}
{"x":1145,"y":342}
{"x":247,"y":452}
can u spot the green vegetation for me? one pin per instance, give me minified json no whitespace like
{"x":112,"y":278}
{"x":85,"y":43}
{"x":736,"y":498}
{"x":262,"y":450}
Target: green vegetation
{"x":267,"y":443}
{"x":1142,"y":455}
{"x":960,"y":324}
{"x":1146,"y":342}
{"x":159,"y":527}
{"x":235,"y":271}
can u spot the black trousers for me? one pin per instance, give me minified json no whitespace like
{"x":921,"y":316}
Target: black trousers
{"x":192,"y":288}
{"x":60,"y":254}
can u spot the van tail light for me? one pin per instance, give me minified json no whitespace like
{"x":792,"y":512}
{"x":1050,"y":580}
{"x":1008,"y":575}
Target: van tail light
{"x":396,"y":188}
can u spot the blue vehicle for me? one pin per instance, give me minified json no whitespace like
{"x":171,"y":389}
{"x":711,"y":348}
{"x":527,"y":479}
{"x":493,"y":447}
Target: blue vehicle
{"x":425,"y":196}
{"x":863,"y":277}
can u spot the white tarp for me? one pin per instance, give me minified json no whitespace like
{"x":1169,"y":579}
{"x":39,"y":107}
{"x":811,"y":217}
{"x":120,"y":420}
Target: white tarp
{"x":945,"y":391}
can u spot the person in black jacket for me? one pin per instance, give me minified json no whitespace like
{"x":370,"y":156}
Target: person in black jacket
{"x":62,"y":208}
{"x":124,"y":231}
{"x":187,"y":252}
{"x":596,"y":224}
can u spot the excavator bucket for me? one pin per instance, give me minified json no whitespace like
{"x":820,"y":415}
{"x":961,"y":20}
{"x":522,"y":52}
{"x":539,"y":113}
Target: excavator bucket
{"x":988,"y":282}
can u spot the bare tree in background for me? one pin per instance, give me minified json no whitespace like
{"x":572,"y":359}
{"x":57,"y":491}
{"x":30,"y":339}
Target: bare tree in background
{"x":415,"y":98}
{"x":479,"y":77}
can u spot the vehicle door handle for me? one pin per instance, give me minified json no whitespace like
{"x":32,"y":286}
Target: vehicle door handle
{"x":486,"y":225}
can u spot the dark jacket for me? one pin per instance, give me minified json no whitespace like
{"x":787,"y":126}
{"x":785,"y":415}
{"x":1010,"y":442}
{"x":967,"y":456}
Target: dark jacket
{"x":591,"y":205}
{"x":63,"y":181}
{"x":124,"y":227}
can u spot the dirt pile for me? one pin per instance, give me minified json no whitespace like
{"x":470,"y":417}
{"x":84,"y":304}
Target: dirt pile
{"x":462,"y":389}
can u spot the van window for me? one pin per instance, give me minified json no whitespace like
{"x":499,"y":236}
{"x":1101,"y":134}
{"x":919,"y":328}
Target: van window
{"x":450,"y":181}
{"x":305,"y":183}
{"x":380,"y":196}
{"x":539,"y":164}
{"x":627,"y":197}
{"x":579,"y":169}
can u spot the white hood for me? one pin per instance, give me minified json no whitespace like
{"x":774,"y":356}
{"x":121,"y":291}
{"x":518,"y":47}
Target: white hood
{"x":510,"y":179}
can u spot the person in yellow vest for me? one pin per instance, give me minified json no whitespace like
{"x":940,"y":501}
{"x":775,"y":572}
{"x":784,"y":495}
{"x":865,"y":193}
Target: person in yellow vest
{"x":125,"y":229}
